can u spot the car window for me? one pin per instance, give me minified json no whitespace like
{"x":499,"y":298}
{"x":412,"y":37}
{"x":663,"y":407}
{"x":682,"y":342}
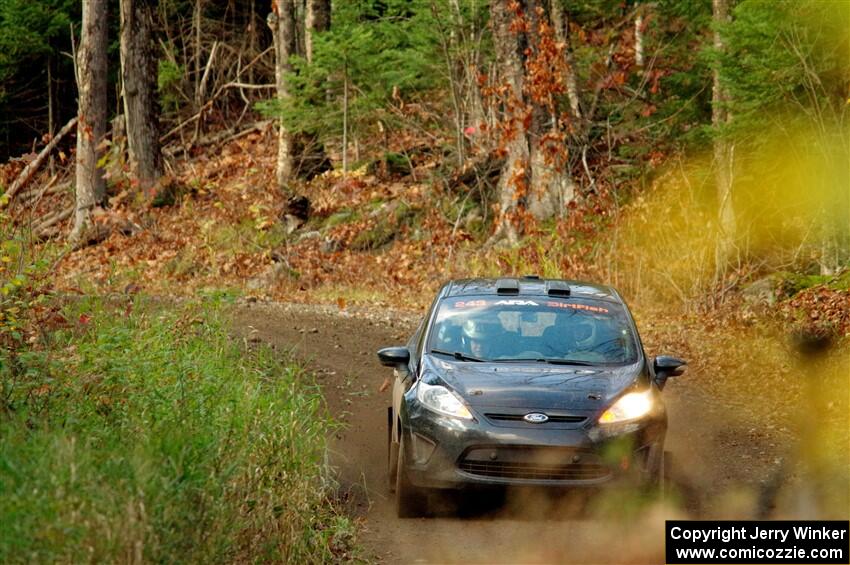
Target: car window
{"x":557,"y":329}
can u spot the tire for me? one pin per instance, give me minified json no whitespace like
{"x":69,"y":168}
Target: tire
{"x":660,"y":478}
{"x":392,"y":452}
{"x":410,"y":501}
{"x":656,"y":481}
{"x":666,"y":485}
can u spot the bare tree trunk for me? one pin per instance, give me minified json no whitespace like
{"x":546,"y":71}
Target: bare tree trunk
{"x":561,"y":25}
{"x":723,"y":149}
{"x":469,"y":90}
{"x":91,"y":127}
{"x":51,"y":119}
{"x":197,"y":12}
{"x":299,"y":30}
{"x":252,"y":37}
{"x":515,"y":177}
{"x":551,"y":185}
{"x":579,"y":145}
{"x":345,"y":120}
{"x":317,"y":20}
{"x":138,"y":73}
{"x":639,"y":40}
{"x":282,"y":23}
{"x":448,"y":39}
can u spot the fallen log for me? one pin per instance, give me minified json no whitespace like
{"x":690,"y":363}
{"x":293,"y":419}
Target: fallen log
{"x":29,"y":193}
{"x":29,"y":197}
{"x":30,"y":169}
{"x":229,"y":135}
{"x":222,"y":137}
{"x":52,"y":220}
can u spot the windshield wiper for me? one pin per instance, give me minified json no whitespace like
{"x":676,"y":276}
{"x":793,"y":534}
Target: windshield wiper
{"x":567,"y":362}
{"x":544,"y":360}
{"x":458,"y":355}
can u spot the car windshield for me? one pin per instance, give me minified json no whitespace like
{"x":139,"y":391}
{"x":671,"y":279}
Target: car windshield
{"x":546,"y":329}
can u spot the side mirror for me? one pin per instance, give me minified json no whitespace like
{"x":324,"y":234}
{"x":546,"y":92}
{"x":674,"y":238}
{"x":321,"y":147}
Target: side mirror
{"x":394,"y":356}
{"x":666,"y":367}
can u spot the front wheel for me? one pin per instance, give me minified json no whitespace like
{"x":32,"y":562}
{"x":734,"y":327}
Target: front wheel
{"x":658,"y":465}
{"x":666,"y":480}
{"x":410,"y":501}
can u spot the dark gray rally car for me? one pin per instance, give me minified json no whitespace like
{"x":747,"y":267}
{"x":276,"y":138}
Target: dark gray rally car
{"x":524,"y":382}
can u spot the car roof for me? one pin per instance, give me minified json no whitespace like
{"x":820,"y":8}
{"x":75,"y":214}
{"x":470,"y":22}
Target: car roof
{"x":527,"y":286}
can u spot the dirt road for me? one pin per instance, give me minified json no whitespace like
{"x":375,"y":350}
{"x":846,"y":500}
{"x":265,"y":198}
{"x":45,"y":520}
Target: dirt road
{"x":719,"y":460}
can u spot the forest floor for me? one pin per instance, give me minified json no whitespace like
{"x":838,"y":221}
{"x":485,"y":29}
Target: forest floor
{"x":725,"y":457}
{"x":392,"y":238}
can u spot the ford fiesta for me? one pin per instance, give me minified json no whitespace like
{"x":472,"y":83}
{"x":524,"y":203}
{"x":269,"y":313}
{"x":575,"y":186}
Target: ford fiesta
{"x":524,"y":382}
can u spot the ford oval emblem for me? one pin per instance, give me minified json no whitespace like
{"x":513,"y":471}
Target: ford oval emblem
{"x":536,"y":418}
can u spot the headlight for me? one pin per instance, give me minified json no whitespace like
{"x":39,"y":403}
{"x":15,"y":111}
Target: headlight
{"x":631,"y":406}
{"x":440,"y":399}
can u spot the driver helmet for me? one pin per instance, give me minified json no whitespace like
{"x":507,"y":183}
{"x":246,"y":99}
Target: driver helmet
{"x":481,"y":329}
{"x":582,"y":330}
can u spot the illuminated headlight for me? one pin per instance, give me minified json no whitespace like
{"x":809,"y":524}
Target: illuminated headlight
{"x":440,"y":399}
{"x":631,"y":406}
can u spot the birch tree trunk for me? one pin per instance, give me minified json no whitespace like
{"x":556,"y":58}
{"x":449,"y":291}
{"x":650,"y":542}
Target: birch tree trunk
{"x":317,"y":20}
{"x":138,"y":73}
{"x":91,"y":126}
{"x":281,"y":21}
{"x":723,"y":149}
{"x":639,"y":40}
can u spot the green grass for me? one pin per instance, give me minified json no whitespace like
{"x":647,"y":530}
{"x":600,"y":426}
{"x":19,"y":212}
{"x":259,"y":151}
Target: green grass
{"x":142,"y":432}
{"x":344,"y":216}
{"x":386,"y":229}
{"x":244,"y":236}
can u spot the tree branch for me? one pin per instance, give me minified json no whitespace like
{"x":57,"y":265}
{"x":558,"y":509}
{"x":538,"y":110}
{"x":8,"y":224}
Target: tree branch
{"x":30,"y":169}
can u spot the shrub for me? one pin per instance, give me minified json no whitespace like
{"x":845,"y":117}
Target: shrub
{"x":144,"y":433}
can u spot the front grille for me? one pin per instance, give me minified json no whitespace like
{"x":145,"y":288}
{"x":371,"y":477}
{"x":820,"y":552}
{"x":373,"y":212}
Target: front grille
{"x":517,"y":470}
{"x":552,"y":419}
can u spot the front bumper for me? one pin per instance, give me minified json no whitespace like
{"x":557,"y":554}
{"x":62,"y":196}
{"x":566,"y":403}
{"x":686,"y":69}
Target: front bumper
{"x":450,"y":453}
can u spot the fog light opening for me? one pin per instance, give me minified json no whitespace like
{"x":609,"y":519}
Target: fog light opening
{"x":423,"y":448}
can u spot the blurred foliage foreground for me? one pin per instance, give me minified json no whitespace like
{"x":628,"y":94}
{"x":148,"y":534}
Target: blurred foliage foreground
{"x":139,"y":432}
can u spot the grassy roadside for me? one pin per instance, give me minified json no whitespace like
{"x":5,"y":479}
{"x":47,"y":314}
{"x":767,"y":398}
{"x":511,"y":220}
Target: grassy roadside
{"x":138,"y":432}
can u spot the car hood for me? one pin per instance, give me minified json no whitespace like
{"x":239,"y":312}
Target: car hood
{"x":534,"y":385}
